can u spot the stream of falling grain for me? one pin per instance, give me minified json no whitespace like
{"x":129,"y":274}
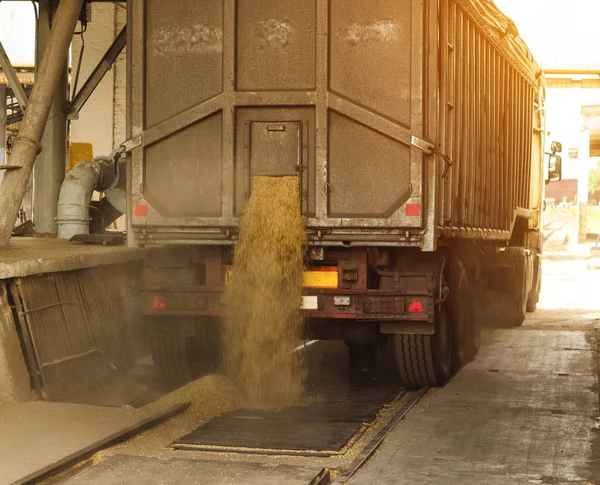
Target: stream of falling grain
{"x":262,"y":299}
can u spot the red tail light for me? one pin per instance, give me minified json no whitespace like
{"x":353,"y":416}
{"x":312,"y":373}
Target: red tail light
{"x":416,"y":307}
{"x":158,"y":303}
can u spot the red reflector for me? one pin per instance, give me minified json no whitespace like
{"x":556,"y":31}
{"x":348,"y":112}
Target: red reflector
{"x":141,"y":210}
{"x":158,"y":303}
{"x":413,"y":209}
{"x":416,"y":307}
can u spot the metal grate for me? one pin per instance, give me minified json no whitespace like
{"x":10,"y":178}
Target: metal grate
{"x":320,"y":428}
{"x":73,"y":328}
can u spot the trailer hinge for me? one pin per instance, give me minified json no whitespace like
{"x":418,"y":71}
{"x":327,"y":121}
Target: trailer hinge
{"x":423,"y":145}
{"x":429,"y":149}
{"x":132,"y":143}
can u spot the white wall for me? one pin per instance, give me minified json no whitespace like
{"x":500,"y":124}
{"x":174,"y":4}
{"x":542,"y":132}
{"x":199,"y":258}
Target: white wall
{"x":17,"y":32}
{"x":102,"y":120}
{"x":564,"y":122}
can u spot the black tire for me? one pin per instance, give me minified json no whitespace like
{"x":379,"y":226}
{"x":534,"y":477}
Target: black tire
{"x":516,"y":291}
{"x":464,"y":304}
{"x":169,"y":353}
{"x":424,"y":360}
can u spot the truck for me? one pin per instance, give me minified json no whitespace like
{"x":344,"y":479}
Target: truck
{"x":416,"y":128}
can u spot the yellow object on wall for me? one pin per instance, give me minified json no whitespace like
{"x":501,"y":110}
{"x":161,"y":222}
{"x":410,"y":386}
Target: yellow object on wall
{"x":80,"y":152}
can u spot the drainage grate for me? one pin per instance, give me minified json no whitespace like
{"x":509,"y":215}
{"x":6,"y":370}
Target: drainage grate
{"x":320,"y":428}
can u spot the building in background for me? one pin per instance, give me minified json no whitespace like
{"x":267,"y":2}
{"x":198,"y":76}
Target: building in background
{"x":591,"y":125}
{"x":563,"y":38}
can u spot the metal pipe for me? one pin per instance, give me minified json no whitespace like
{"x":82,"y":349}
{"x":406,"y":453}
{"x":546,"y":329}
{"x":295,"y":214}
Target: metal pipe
{"x":13,"y":80}
{"x":27,"y":144}
{"x":112,"y":206}
{"x":73,"y":215}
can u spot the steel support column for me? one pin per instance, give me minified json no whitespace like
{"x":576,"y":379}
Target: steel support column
{"x":27,"y":144}
{"x":49,"y":171}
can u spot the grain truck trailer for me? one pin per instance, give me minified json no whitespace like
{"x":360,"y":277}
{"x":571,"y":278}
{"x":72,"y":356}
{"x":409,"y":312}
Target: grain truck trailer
{"x":416,"y":128}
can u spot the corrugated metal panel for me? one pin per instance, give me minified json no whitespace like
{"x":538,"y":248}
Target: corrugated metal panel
{"x":17,"y":32}
{"x":562,"y":35}
{"x":502,"y":31}
{"x":487,"y":111}
{"x":73,"y":328}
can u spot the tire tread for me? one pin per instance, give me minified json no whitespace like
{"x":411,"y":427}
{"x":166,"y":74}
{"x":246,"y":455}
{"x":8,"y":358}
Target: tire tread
{"x":414,"y":360}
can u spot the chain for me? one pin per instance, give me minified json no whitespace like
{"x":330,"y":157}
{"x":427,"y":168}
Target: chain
{"x":116,"y":156}
{"x":447,"y":160}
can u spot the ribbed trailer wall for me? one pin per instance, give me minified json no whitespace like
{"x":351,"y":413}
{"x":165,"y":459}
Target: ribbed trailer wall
{"x":487,"y":110}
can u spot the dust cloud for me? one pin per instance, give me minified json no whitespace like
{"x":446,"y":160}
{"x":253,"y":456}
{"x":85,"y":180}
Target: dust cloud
{"x":262,"y":323}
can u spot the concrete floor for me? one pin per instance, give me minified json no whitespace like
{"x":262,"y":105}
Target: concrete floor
{"x":526,"y":411}
{"x":34,"y":435}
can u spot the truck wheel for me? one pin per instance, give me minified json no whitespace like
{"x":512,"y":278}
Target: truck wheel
{"x":463,"y":305}
{"x":516,"y":291}
{"x":425,"y":360}
{"x":169,"y":353}
{"x":534,"y":296}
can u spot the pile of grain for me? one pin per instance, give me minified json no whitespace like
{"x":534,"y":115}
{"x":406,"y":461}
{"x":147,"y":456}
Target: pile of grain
{"x":209,"y":397}
{"x":263,"y":322}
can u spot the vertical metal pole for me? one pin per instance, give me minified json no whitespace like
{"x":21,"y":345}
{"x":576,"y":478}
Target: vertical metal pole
{"x":27,"y":144}
{"x":583,"y":186}
{"x":2,"y":128}
{"x":49,"y":171}
{"x":135,"y":48}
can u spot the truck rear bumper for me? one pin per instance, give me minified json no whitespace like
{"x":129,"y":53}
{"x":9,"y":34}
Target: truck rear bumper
{"x":366,"y":305}
{"x":370,"y":305}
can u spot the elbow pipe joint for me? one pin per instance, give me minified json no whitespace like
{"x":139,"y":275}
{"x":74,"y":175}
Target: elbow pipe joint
{"x":101,"y":174}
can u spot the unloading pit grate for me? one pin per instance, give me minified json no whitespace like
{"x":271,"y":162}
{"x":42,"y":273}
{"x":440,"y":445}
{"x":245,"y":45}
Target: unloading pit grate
{"x":320,"y":428}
